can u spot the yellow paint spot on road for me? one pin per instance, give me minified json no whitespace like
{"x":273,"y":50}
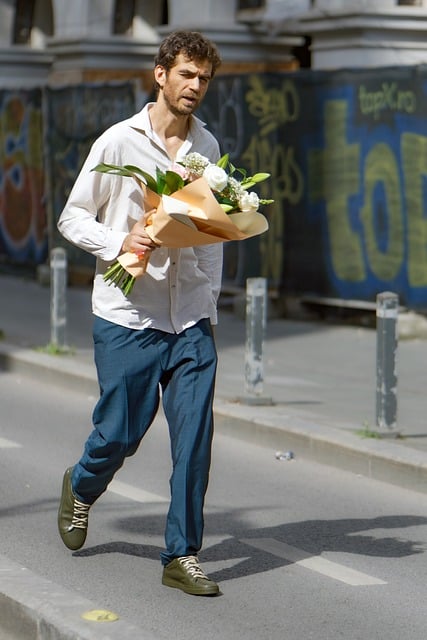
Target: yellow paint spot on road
{"x":100,"y":615}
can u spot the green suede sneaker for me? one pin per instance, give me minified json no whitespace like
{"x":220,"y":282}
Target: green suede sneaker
{"x":72,"y":516}
{"x":186,"y":574}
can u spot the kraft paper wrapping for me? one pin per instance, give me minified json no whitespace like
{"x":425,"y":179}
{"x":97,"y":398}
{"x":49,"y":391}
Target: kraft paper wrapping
{"x":192,"y":216}
{"x":188,"y":218}
{"x":134,"y":265}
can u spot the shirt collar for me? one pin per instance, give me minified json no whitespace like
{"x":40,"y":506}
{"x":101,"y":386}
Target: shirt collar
{"x":142,"y":122}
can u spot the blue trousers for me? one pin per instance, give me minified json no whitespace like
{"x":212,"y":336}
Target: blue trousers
{"x":132,"y":366}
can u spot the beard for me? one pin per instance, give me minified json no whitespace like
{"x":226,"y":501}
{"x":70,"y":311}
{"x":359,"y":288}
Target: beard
{"x":179,"y":107}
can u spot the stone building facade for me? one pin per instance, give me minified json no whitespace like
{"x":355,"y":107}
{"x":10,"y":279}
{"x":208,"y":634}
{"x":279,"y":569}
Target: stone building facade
{"x":54,"y":42}
{"x":62,"y":42}
{"x":344,"y":139}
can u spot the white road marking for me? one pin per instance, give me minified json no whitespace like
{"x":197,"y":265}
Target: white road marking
{"x":8,"y":444}
{"x":133,"y":493}
{"x":270,"y":545}
{"x":314,"y":563}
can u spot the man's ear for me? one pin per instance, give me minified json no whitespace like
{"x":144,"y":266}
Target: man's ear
{"x":160,"y":75}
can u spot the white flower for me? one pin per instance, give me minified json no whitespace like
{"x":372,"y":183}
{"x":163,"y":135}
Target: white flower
{"x":249,"y":201}
{"x":195,"y":163}
{"x":216,"y":177}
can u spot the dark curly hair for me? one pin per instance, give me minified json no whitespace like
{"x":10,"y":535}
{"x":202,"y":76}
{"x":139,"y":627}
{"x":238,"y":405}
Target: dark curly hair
{"x":192,"y":44}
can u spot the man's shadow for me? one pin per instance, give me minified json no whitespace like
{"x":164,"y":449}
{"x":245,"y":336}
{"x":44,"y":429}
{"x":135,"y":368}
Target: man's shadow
{"x":313,"y":537}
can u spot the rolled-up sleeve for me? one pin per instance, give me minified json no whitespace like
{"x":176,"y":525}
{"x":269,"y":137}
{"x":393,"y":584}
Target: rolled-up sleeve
{"x":83,"y":220}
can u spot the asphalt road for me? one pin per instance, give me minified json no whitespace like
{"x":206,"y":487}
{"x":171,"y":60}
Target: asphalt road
{"x":300,"y":550}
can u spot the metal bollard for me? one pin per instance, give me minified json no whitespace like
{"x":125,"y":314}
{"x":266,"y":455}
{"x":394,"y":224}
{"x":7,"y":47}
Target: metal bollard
{"x":58,"y":288}
{"x":386,"y":397}
{"x":256,"y":317}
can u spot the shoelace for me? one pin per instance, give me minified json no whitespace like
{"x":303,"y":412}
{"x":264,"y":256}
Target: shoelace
{"x":191,"y":564}
{"x":80,"y":515}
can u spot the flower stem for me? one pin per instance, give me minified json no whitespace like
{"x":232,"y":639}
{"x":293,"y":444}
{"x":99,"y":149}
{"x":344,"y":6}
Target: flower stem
{"x":117,"y":275}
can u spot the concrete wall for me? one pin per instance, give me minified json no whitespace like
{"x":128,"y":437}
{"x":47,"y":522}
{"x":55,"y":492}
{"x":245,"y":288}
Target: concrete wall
{"x":74,"y":42}
{"x":366,"y":33}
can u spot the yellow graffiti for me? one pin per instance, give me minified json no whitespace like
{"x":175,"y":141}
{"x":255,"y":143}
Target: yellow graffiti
{"x":286,"y":186}
{"x":388,"y":97}
{"x":381,"y":167}
{"x":334,"y":177}
{"x":280,"y":162}
{"x":272,"y":107}
{"x":414,"y":156}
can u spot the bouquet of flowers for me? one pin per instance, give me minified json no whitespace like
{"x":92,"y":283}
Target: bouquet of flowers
{"x":195,"y":202}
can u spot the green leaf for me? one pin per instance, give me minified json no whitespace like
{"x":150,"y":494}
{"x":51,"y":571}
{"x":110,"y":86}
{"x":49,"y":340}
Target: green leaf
{"x":243,"y":172}
{"x":263,"y":201}
{"x":223,"y":161}
{"x":160,"y":180}
{"x":111,"y":168}
{"x":251,"y":181}
{"x":127,"y":171}
{"x":259,"y":177}
{"x":172,"y":182}
{"x":148,"y":179}
{"x":225,"y":203}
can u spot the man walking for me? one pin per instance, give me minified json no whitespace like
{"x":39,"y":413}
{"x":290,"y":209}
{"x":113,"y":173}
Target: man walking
{"x":160,"y":336}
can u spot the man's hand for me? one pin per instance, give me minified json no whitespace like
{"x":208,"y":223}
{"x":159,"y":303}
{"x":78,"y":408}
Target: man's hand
{"x":138,"y":241}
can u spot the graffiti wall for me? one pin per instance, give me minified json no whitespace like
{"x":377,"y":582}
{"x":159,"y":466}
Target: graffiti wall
{"x":23,"y":225}
{"x":250,"y":116}
{"x":75,"y":117}
{"x":346,"y":151}
{"x":44,"y":138}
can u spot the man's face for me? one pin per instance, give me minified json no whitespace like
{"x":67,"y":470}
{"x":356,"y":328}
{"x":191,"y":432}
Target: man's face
{"x":184,"y":85}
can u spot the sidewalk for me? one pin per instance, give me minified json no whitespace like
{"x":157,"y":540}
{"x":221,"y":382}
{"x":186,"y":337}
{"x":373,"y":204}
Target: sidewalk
{"x":320,"y":377}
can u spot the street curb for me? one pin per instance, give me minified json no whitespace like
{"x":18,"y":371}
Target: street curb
{"x":282,"y":429}
{"x":33,"y":608}
{"x":276,"y":426}
{"x":62,"y":370}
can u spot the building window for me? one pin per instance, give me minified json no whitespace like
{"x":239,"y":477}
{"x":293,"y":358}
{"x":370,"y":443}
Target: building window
{"x":138,"y":18}
{"x":165,"y":13}
{"x":250,"y":4}
{"x":303,"y":53}
{"x":24,"y":14}
{"x":33,"y":22}
{"x":124,"y":13}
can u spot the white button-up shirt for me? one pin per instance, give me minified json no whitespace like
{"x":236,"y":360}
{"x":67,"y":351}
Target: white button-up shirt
{"x":180,"y":286}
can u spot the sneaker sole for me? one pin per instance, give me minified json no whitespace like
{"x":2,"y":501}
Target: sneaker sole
{"x":193,"y":591}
